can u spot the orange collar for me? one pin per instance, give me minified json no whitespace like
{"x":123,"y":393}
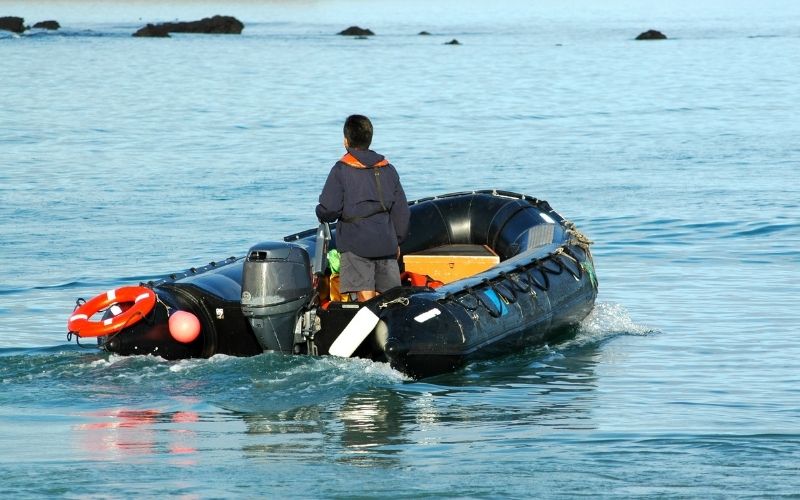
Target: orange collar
{"x":351,"y":160}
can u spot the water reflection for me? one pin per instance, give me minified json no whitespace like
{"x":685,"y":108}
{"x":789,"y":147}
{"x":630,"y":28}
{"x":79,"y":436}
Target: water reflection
{"x":292,"y":434}
{"x":519,"y":397}
{"x":365,"y":422}
{"x":121,"y":433}
{"x":358,"y":430}
{"x":372,"y":428}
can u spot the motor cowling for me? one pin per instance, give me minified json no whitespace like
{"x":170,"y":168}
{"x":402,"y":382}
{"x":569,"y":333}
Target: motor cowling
{"x":276,"y":289}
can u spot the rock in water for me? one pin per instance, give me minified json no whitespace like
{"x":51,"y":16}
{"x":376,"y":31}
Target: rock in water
{"x":651,"y":35}
{"x":47,"y":25}
{"x":224,"y":25}
{"x":153,"y":31}
{"x":217,"y":25}
{"x":356,"y":31}
{"x":14,"y":24}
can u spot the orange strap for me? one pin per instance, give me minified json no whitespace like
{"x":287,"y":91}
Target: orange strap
{"x":409,"y":278}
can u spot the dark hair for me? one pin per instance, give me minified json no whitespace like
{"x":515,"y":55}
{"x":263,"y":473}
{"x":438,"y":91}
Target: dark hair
{"x":358,"y":131}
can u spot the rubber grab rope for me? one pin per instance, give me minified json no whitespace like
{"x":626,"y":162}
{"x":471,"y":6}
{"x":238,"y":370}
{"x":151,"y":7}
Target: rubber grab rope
{"x":515,"y":280}
{"x":77,"y":340}
{"x":543,"y":285}
{"x":522,"y":279}
{"x":468,"y":295}
{"x":567,"y":254}
{"x":143,"y":300}
{"x":494,"y":311}
{"x":505,"y":292}
{"x":559,"y":266}
{"x":78,"y":303}
{"x":525,"y":277}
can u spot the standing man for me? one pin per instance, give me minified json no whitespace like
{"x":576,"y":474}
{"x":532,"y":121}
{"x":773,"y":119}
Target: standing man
{"x":363,"y":193}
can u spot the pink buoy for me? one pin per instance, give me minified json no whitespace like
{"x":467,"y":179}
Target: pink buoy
{"x":184,"y":326}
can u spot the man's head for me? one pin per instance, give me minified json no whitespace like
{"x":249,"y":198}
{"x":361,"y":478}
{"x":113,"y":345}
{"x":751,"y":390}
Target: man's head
{"x":358,"y":132}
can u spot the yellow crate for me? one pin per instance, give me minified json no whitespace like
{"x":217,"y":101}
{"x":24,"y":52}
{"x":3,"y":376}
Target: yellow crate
{"x":451,"y":262}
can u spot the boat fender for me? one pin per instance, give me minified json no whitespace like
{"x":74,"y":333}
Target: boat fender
{"x":354,"y":333}
{"x":143,"y":300}
{"x":184,"y":326}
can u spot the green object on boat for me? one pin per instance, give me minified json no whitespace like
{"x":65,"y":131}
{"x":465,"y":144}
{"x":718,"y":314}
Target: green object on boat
{"x":333,"y":260}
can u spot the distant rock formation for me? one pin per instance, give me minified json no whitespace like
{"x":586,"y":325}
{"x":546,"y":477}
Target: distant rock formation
{"x":153,"y":31}
{"x":651,"y":35}
{"x":356,"y":31}
{"x":217,"y":25}
{"x":222,"y":25}
{"x":453,"y":42}
{"x":13,"y":24}
{"x":424,"y":33}
{"x":47,"y":25}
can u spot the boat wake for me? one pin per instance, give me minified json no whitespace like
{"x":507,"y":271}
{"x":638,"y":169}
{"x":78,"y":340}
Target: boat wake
{"x":607,"y":320}
{"x":73,"y":377}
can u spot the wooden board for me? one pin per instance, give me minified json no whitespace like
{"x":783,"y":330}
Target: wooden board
{"x":451,"y":262}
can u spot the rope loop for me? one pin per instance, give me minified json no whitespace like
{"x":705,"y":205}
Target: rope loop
{"x":494,"y":311}
{"x":543,"y":284}
{"x":466,"y":306}
{"x":515,"y":280}
{"x":577,"y":237}
{"x":505,"y":292}
{"x":78,"y":303}
{"x":559,"y":266}
{"x":578,"y":272}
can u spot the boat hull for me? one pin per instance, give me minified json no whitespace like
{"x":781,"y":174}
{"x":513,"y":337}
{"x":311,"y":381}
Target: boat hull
{"x":544,"y":284}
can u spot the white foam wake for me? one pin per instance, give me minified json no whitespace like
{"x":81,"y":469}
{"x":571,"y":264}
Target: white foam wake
{"x":609,"y":319}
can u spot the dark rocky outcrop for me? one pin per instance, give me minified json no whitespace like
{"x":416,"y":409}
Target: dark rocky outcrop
{"x":14,"y":24}
{"x":424,"y":33}
{"x":356,"y":31}
{"x":217,"y":25}
{"x":153,"y":31}
{"x":47,"y":25}
{"x":222,"y":25}
{"x":453,"y":42}
{"x":651,"y":35}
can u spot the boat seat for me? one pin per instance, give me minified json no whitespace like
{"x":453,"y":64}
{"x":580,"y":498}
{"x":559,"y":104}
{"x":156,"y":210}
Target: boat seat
{"x":448,"y":263}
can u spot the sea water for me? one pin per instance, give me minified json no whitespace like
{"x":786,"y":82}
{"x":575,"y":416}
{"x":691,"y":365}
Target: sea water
{"x":125,"y":159}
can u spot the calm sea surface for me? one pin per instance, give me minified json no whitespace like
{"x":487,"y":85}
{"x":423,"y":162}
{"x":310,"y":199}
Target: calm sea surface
{"x":124,"y":159}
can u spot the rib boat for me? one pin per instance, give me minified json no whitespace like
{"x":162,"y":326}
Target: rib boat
{"x":486,"y":273}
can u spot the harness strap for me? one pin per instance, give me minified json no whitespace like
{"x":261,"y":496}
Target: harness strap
{"x":352,"y":161}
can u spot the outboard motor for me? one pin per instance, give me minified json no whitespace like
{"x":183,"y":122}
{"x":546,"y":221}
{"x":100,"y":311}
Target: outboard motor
{"x":276,"y":289}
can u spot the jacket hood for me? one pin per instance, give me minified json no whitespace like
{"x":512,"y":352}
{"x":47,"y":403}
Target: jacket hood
{"x":367,"y":157}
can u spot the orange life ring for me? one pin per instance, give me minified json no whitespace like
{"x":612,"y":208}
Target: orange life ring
{"x":143,"y":299}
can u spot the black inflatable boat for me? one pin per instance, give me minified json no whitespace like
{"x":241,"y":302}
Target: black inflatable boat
{"x":499,"y":271}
